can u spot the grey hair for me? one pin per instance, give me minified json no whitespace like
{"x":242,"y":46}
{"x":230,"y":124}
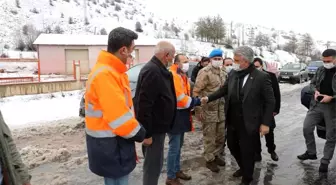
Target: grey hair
{"x":246,"y":52}
{"x":164,"y":47}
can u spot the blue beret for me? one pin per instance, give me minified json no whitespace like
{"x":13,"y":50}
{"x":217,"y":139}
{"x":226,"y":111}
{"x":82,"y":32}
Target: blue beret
{"x":216,"y":53}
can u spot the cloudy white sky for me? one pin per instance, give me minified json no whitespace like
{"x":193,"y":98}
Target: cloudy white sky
{"x":317,"y":17}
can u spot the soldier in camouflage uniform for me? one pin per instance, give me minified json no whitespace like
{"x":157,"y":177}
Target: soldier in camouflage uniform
{"x":209,"y":80}
{"x":12,"y":169}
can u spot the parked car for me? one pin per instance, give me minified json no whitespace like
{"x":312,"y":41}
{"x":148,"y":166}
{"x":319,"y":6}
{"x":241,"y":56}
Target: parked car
{"x":294,"y":73}
{"x":312,"y":68}
{"x":133,"y":74}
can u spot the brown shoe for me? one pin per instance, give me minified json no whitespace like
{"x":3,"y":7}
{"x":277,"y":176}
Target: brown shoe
{"x":183,"y":176}
{"x":219,"y":161}
{"x":212,"y":166}
{"x":175,"y":181}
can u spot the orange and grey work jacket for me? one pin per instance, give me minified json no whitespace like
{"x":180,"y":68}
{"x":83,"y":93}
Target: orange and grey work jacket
{"x":111,"y":127}
{"x":183,"y":119}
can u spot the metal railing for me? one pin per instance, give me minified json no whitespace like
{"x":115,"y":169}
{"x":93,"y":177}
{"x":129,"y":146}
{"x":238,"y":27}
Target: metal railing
{"x":15,"y":80}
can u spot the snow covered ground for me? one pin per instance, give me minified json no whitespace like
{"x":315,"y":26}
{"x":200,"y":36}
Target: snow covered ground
{"x":33,"y":109}
{"x":287,"y":87}
{"x":55,"y":151}
{"x":22,"y":111}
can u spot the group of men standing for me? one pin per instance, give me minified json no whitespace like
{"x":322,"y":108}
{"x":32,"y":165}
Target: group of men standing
{"x":241,"y":100}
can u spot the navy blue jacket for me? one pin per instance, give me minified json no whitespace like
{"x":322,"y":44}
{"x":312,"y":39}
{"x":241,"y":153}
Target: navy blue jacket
{"x":111,"y":157}
{"x":183,"y":120}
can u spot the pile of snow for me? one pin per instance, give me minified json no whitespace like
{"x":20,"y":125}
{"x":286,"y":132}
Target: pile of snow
{"x":34,"y":109}
{"x":287,"y":87}
{"x":18,"y":68}
{"x":37,"y":156}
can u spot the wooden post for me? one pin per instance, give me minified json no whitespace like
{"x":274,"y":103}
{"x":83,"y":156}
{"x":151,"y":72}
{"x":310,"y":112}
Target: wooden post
{"x":78,"y":74}
{"x":39,"y":71}
{"x":74,"y":69}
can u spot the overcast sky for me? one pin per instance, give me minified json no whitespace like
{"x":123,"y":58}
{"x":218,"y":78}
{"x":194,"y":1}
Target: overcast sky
{"x":317,"y":17}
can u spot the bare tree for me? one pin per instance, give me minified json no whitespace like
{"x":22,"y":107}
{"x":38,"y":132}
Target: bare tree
{"x":306,"y":44}
{"x":17,"y":3}
{"x":210,"y":29}
{"x":138,"y":27}
{"x":292,"y":45}
{"x":58,"y":30}
{"x":103,"y":31}
{"x":20,"y":44}
{"x":327,"y":44}
{"x":262,"y":40}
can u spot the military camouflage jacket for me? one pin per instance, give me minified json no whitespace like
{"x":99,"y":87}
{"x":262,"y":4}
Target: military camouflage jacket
{"x":14,"y":171}
{"x":209,"y":80}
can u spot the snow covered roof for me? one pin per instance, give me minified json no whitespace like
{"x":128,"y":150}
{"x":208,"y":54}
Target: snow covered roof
{"x":86,"y":40}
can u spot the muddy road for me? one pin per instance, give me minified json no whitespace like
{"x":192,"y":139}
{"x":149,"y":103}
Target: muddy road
{"x":55,"y":154}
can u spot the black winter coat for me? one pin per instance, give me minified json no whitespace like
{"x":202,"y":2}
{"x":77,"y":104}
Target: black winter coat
{"x":155,"y":99}
{"x":195,"y":71}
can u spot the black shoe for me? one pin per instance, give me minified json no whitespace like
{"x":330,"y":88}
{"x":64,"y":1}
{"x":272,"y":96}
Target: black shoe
{"x":257,"y":158}
{"x":211,"y":165}
{"x":323,"y":168}
{"x":244,"y":183}
{"x":220,"y":161}
{"x":274,"y":156}
{"x":307,"y":156}
{"x":238,"y":173}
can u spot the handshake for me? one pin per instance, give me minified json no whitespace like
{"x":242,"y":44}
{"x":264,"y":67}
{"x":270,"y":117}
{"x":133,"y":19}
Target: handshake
{"x":200,"y":101}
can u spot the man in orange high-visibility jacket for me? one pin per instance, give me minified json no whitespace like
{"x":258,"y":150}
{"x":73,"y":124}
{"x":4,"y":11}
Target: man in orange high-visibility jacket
{"x":111,"y":128}
{"x":183,"y":122}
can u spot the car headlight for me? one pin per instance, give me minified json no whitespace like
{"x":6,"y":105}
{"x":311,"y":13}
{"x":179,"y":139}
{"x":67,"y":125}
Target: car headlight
{"x":296,"y":73}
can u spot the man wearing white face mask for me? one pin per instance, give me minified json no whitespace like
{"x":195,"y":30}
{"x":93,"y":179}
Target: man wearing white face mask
{"x":322,"y":107}
{"x":210,"y":79}
{"x":183,"y":121}
{"x":249,"y":109}
{"x":228,"y":62}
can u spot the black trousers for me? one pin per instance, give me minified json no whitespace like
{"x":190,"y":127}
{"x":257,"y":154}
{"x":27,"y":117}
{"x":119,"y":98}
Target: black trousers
{"x":269,"y":138}
{"x":243,"y":147}
{"x":154,"y":157}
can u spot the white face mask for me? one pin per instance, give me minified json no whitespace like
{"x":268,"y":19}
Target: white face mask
{"x":236,"y":67}
{"x":217,"y":63}
{"x":228,"y":68}
{"x":328,"y":65}
{"x":185,"y":67}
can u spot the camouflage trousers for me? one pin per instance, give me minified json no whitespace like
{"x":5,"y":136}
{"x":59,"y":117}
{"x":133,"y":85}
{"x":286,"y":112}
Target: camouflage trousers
{"x":213,"y":139}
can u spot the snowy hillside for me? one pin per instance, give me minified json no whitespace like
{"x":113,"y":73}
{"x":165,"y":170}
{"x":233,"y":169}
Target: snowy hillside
{"x":100,"y":16}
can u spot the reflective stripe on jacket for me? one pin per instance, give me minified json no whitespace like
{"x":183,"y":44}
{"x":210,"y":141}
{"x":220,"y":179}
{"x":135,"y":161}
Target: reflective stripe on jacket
{"x":182,"y":88}
{"x":183,"y":120}
{"x":111,"y":127}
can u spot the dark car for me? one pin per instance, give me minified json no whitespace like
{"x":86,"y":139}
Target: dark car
{"x":133,"y":74}
{"x":312,"y":68}
{"x":294,"y":73}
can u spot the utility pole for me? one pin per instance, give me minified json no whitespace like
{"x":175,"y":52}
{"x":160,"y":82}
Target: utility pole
{"x":231,"y":30}
{"x":85,"y":12}
{"x":243,"y":35}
